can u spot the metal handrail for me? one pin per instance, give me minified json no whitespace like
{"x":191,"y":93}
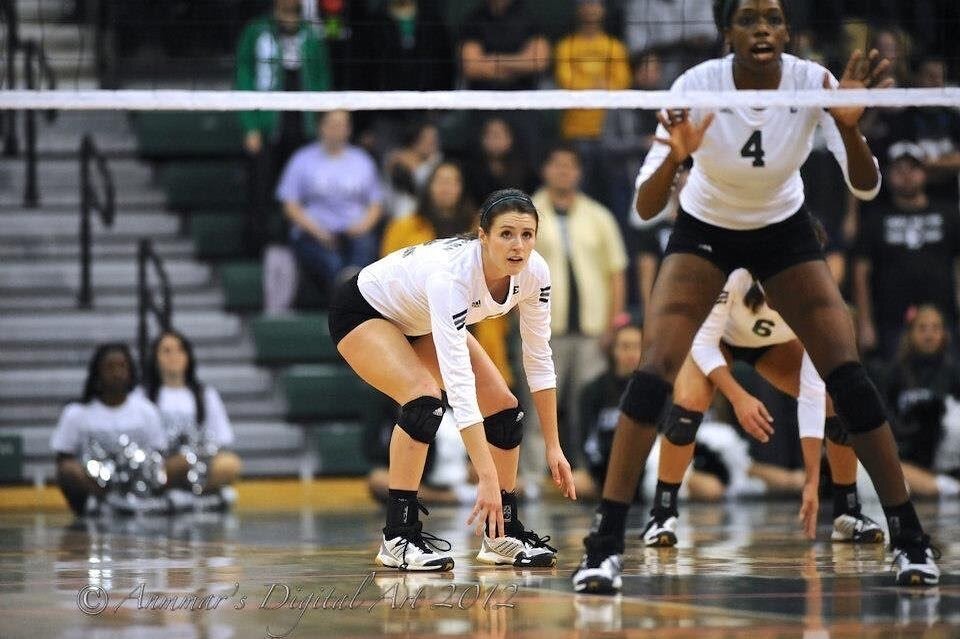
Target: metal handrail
{"x":8,"y":13}
{"x":36,"y":68}
{"x":90,"y":200}
{"x":163,"y":312}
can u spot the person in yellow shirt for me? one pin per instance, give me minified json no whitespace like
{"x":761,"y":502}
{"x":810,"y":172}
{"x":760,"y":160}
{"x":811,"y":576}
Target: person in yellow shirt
{"x":444,"y":210}
{"x":589,"y":58}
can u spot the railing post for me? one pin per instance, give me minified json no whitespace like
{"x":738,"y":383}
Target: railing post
{"x":10,"y":145}
{"x":85,"y":296}
{"x":143,"y":249}
{"x":31,"y":198}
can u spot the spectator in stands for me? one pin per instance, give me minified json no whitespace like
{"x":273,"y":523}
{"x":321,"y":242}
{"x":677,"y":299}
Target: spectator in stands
{"x":682,"y":33}
{"x":937,"y":131}
{"x":408,"y":167}
{"x":193,"y":414}
{"x":905,"y":253}
{"x":626,"y":138}
{"x":921,"y":380}
{"x":502,"y":48}
{"x":599,"y":406}
{"x":582,"y":245}
{"x":498,"y":163}
{"x":277,"y":52}
{"x":106,"y":410}
{"x":589,"y":59}
{"x":444,"y":210}
{"x":331,"y":195}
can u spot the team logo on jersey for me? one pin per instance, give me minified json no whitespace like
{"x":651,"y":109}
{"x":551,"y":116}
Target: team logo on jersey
{"x":475,"y":304}
{"x":726,"y":110}
{"x":545,"y":294}
{"x":794,"y":109}
{"x":705,"y":247}
{"x":516,"y":289}
{"x":723,"y":297}
{"x":460,"y":319}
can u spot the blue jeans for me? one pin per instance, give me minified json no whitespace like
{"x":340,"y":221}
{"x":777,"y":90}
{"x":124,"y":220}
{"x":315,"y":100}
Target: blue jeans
{"x":324,"y":265}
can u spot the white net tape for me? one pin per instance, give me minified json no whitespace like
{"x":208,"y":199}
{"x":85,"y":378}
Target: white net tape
{"x":178,"y":100}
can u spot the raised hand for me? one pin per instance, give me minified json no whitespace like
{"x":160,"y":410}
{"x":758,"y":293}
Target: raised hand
{"x":868,"y":72}
{"x":685,"y":135}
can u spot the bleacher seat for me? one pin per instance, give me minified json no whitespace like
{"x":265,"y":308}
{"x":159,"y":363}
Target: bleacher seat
{"x":164,"y":135}
{"x":293,"y":339}
{"x":242,"y":285}
{"x":328,"y":392}
{"x":340,"y":449}
{"x":212,"y":185}
{"x":217,"y":236}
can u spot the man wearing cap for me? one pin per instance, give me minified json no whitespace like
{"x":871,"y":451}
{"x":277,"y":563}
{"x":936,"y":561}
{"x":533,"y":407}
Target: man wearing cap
{"x":905,"y":253}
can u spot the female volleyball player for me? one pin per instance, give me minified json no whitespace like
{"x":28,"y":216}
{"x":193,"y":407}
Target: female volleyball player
{"x":743,"y":207}
{"x":743,"y":327}
{"x":401,"y":325}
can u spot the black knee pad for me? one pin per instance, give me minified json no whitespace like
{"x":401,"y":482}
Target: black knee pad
{"x":505,"y":429}
{"x":680,"y":425}
{"x":645,"y":397}
{"x":836,"y":431}
{"x":420,"y":418}
{"x":855,"y":398}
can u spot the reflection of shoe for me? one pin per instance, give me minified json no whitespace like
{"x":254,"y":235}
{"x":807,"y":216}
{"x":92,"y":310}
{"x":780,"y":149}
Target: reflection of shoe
{"x":918,"y":606}
{"x":598,"y":613}
{"x":913,"y":559}
{"x":520,"y":548}
{"x":857,"y":529}
{"x":601,"y":565}
{"x":413,"y":549}
{"x":660,"y":533}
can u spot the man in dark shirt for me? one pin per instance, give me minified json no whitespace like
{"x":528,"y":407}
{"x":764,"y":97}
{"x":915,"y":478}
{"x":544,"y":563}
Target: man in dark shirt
{"x":905,"y":253}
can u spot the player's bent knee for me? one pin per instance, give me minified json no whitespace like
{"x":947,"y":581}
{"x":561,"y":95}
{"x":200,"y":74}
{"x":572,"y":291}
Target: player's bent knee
{"x":645,"y":397}
{"x":836,"y":431}
{"x":505,"y":429}
{"x":420,"y":418}
{"x":680,"y":425}
{"x":855,"y":398}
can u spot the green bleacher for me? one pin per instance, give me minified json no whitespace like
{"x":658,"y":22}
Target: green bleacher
{"x":167,"y":135}
{"x":211,"y":185}
{"x":217,"y":236}
{"x":328,"y":392}
{"x":293,"y":339}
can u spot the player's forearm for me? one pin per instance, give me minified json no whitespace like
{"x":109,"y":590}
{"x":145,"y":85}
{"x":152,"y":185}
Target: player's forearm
{"x":654,"y":192}
{"x":723,"y":379}
{"x":475,"y":441}
{"x":810,"y":449}
{"x":860,"y":165}
{"x":545,"y":403}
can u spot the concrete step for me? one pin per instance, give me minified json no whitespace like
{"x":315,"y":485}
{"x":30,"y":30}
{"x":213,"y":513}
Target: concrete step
{"x":41,"y":10}
{"x":210,"y":299}
{"x":68,"y":196}
{"x":106,"y":248}
{"x":47,"y":412}
{"x":28,"y":355}
{"x":63,"y":383}
{"x":64,"y":276}
{"x":50,"y":223}
{"x":57,"y":39}
{"x":60,"y":174}
{"x":111,"y":129}
{"x":87,"y":328}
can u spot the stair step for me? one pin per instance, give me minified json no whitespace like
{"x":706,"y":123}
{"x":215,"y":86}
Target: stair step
{"x":89,"y":327}
{"x":63,"y":276}
{"x":106,"y":248}
{"x":19,"y":356}
{"x":210,"y":299}
{"x":50,"y":224}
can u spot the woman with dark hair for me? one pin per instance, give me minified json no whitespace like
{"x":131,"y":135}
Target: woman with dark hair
{"x":497,"y":162}
{"x":401,"y":325}
{"x":743,"y":207}
{"x":922,"y":383}
{"x":107,"y":410}
{"x":407,"y":169}
{"x":193,"y":415}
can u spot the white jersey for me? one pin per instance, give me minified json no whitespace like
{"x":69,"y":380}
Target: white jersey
{"x":137,"y":418}
{"x":746,"y":173}
{"x":439,"y":288}
{"x":179,"y":411}
{"x":732,"y":321}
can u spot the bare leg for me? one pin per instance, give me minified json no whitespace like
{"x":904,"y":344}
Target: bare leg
{"x":843,"y":464}
{"x":922,"y":482}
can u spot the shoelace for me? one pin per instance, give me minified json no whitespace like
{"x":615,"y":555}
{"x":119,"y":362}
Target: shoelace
{"x":916,"y":553}
{"x":424,"y":541}
{"x":535,"y":540}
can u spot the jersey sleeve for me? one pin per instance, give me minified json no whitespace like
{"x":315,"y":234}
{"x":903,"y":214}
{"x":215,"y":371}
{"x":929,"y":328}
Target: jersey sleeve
{"x":448,"y":303}
{"x":534,"y":311}
{"x":835,"y":144}
{"x":216,"y":421}
{"x":706,"y":351}
{"x":811,"y":402}
{"x":66,"y":436}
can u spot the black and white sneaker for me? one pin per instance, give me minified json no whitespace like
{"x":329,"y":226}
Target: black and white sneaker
{"x":660,"y":532}
{"x":856,"y":528}
{"x":409,"y":548}
{"x":913,"y":560}
{"x":600,"y":568}
{"x":519,"y":548}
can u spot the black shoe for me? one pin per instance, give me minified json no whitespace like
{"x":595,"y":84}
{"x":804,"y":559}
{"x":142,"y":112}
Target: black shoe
{"x":600,"y":567}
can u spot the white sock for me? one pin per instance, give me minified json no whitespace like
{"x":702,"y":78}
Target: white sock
{"x":948,"y":486}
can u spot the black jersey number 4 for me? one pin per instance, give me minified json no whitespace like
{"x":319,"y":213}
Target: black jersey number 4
{"x":754,"y":148}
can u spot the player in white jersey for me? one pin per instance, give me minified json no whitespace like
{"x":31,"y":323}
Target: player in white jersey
{"x":743,"y":207}
{"x":742,"y":327}
{"x":401,"y":325}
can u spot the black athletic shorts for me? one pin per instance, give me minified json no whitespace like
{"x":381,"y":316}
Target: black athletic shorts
{"x":764,"y":252}
{"x":348,"y":310}
{"x":747,"y":354}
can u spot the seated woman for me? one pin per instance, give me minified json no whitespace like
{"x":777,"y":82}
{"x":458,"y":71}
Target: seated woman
{"x":197,"y":427}
{"x":923,"y":382}
{"x":107,"y":415}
